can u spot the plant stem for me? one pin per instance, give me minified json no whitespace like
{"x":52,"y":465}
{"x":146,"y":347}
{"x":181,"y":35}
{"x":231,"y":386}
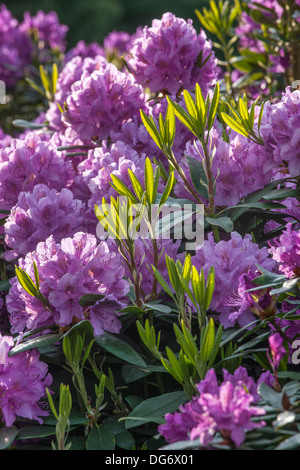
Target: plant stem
{"x":210,"y":185}
{"x":172,"y":159}
{"x":134,"y":273}
{"x":282,"y":333}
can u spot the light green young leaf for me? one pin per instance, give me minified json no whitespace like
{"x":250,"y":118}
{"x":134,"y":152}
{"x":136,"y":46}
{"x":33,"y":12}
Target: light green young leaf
{"x":54,"y":77}
{"x":234,"y":125}
{"x":26,"y":282}
{"x":137,"y":187}
{"x":122,"y":189}
{"x":162,"y":282}
{"x":168,"y":188}
{"x":182,"y":115}
{"x":152,"y":130}
{"x":213,"y":107}
{"x":149,"y":181}
{"x":170,"y":125}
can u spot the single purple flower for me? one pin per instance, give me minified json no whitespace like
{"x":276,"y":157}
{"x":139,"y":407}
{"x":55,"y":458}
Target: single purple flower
{"x":277,"y":350}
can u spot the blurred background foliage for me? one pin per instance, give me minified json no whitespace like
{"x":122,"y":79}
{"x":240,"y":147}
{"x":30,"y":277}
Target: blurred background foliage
{"x":91,"y":20}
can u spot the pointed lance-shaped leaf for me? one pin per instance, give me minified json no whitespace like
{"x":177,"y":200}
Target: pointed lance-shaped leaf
{"x":168,"y":188}
{"x":234,"y":125}
{"x":213,"y":106}
{"x":151,"y":128}
{"x":182,"y":115}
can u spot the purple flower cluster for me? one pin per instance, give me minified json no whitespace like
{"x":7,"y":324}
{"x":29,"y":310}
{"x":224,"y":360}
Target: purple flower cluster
{"x":71,"y":73}
{"x":30,"y":161}
{"x":230,"y":259}
{"x":94,"y":172}
{"x":38,"y":215}
{"x":117,"y":42}
{"x":46,"y":29}
{"x":23,"y":382}
{"x":227,"y":408}
{"x":15,"y":48}
{"x":69,"y":270}
{"x":82,"y":49}
{"x":35,"y":37}
{"x":239,"y":166}
{"x":286,"y":252}
{"x":169,"y":56}
{"x":5,"y":139}
{"x":280,"y":129}
{"x":102,"y":101}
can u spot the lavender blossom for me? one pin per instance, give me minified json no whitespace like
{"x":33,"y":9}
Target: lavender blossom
{"x":71,"y":73}
{"x":247,"y":305}
{"x":68,"y":270}
{"x":27,"y":162}
{"x":227,"y":408}
{"x":169,"y":56}
{"x":286,"y":252}
{"x":38,"y":215}
{"x":116,"y":42}
{"x":23,"y":382}
{"x":46,"y":29}
{"x":277,"y":350}
{"x":82,"y":49}
{"x":280,"y":129}
{"x":230,"y":259}
{"x":15,"y":48}
{"x":102,"y":101}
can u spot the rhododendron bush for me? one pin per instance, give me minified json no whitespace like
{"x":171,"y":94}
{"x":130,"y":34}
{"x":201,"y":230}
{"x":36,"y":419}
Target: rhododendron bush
{"x":150,"y":233}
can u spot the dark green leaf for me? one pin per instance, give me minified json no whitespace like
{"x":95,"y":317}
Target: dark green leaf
{"x":36,"y":431}
{"x":27,"y":124}
{"x":223,"y":222}
{"x":88,"y":300}
{"x":38,"y":342}
{"x":271,"y":397}
{"x":159,"y":307}
{"x":125,"y":440}
{"x":290,"y":443}
{"x":5,"y":285}
{"x":83,"y":328}
{"x":281,"y":194}
{"x":76,"y":417}
{"x":155,"y":408}
{"x":7,"y":436}
{"x":100,"y":438}
{"x":119,"y":348}
{"x":197,"y":174}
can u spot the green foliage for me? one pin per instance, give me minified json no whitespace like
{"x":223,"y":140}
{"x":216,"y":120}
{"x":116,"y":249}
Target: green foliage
{"x":62,"y":416}
{"x":243,"y":120}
